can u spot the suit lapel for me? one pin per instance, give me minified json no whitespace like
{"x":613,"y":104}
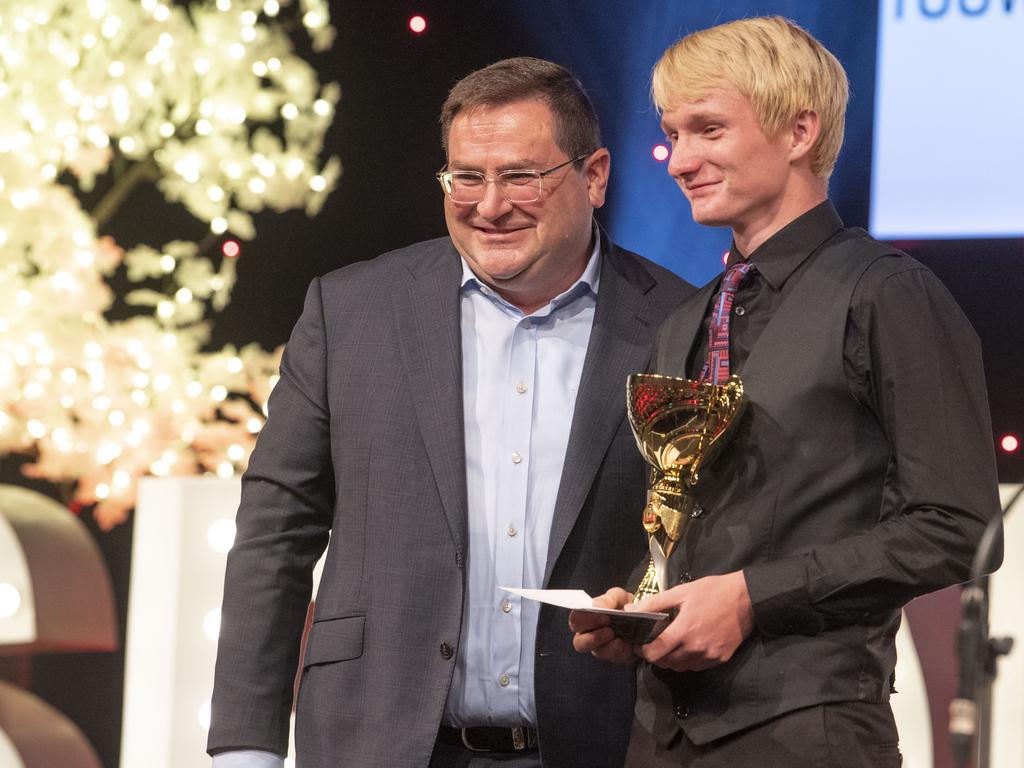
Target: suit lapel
{"x":430,"y":339}
{"x":618,"y":347}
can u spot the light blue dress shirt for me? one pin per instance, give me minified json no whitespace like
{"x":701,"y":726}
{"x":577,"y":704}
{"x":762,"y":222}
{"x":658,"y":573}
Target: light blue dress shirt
{"x":248,"y":758}
{"x":520,"y":376}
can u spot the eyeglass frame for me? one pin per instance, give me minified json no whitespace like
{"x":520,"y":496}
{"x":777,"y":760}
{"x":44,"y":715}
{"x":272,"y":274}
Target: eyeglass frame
{"x":447,"y":188}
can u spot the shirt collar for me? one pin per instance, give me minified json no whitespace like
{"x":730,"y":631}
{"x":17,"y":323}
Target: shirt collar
{"x":779,"y":256}
{"x":587,"y":282}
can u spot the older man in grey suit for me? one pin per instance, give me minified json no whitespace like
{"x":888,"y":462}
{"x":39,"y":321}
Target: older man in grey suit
{"x":450,"y":418}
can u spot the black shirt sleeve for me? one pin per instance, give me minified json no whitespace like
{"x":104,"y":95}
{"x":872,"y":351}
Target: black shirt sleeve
{"x":912,"y":359}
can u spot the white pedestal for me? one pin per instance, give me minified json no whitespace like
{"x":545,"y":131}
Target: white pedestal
{"x":177,"y":583}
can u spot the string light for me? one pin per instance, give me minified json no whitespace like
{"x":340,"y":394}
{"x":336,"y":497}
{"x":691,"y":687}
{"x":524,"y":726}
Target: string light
{"x":101,"y":403}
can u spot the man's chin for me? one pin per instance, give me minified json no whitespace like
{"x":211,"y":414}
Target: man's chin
{"x":709,"y":218}
{"x":499,"y":265}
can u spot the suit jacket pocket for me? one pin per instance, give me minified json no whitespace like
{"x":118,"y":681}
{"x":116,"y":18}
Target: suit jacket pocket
{"x":334,"y":640}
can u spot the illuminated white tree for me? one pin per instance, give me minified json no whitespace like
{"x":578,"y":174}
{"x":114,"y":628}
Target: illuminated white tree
{"x":209,"y":101}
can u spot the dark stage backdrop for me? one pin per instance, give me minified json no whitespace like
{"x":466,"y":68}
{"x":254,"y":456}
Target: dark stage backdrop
{"x":393,"y":83}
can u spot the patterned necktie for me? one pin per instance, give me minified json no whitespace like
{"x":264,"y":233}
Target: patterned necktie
{"x":716,"y":366}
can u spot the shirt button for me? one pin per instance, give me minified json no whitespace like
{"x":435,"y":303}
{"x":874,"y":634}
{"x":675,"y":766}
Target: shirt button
{"x":506,"y":605}
{"x":511,"y":530}
{"x":447,"y":651}
{"x":520,"y":387}
{"x":516,"y":458}
{"x":740,"y":311}
{"x":503,"y":681}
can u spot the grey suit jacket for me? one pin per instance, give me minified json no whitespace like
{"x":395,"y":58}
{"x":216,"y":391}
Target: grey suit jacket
{"x":364,"y":448}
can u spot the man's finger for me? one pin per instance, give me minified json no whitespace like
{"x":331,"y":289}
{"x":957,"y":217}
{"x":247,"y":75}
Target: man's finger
{"x":584,"y":621}
{"x":662,"y":601}
{"x":586,"y":642}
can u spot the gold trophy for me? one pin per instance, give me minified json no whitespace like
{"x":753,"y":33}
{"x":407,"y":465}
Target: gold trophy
{"x":680,"y":425}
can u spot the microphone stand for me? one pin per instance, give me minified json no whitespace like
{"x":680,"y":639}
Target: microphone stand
{"x":970,"y":713}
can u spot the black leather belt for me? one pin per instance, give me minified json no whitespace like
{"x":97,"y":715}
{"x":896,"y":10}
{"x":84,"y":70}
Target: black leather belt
{"x":485,"y":739}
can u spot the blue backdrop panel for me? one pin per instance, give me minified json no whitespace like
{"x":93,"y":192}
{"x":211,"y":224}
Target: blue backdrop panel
{"x":611,"y":47}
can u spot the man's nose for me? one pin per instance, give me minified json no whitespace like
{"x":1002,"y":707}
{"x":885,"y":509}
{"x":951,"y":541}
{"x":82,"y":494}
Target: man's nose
{"x":683,"y":160}
{"x":492,"y":205}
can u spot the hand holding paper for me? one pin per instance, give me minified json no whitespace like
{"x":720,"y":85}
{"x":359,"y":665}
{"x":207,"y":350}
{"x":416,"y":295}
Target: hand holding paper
{"x":635,"y":627}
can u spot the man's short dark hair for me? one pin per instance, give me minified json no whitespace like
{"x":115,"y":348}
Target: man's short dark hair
{"x":526,"y":78}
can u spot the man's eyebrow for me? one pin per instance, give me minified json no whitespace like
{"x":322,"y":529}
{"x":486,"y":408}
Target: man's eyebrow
{"x":697,"y":118}
{"x":514,"y":165}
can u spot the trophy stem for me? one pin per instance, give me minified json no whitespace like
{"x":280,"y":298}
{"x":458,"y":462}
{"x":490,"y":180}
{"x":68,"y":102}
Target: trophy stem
{"x":648,"y":584}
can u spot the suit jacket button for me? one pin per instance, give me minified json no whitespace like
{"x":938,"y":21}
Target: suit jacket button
{"x":684,"y":576}
{"x":681,"y":711}
{"x":447,"y":651}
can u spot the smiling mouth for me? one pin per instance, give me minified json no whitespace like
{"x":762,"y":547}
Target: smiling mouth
{"x":494,"y":232}
{"x":697,"y":188}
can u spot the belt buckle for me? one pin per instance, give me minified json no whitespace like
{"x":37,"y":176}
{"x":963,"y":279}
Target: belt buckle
{"x":518,"y":739}
{"x":467,"y":745}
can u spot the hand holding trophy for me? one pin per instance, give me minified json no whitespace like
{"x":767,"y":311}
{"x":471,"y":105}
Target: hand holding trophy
{"x":679,"y":425}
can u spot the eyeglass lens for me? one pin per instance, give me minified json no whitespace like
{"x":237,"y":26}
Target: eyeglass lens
{"x":514,"y":186}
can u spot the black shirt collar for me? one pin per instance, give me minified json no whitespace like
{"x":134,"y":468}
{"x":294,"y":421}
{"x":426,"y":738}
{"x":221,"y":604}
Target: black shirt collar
{"x":779,"y":256}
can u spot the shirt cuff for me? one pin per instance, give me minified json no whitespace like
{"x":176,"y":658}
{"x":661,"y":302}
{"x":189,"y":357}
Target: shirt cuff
{"x":779,"y":598}
{"x":247,"y":758}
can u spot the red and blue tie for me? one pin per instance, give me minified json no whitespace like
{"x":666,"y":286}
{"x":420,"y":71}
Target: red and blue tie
{"x":716,"y":366}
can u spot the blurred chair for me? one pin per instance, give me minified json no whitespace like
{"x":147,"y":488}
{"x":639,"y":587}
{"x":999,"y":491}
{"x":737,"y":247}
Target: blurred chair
{"x":35,"y":735}
{"x":55,"y":596}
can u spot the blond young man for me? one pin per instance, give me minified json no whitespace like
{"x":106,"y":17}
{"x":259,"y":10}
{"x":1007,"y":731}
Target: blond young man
{"x":862,"y":474}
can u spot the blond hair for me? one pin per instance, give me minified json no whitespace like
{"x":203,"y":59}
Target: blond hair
{"x":778,"y":66}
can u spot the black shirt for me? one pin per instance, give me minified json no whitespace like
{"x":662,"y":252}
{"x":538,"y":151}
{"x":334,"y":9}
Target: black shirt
{"x":910,"y":357}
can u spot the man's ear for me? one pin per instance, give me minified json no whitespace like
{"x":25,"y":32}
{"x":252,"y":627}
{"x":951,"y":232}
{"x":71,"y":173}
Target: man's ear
{"x":805,"y":129}
{"x":596,"y":171}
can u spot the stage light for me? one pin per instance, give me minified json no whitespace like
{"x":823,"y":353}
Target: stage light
{"x":211,"y":624}
{"x":1009,"y":443}
{"x":418,"y":24}
{"x":660,"y":153}
{"x":10,"y":600}
{"x":221,"y":535}
{"x":231,"y":249}
{"x":203,"y":715}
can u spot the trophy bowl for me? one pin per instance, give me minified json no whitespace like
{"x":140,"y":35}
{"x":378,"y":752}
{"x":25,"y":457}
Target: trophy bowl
{"x":679,"y":425}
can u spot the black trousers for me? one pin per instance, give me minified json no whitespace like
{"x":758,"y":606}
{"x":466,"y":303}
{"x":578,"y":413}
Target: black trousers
{"x":844,"y":735}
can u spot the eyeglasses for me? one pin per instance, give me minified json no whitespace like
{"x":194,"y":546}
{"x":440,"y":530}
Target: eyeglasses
{"x":515,"y":186}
